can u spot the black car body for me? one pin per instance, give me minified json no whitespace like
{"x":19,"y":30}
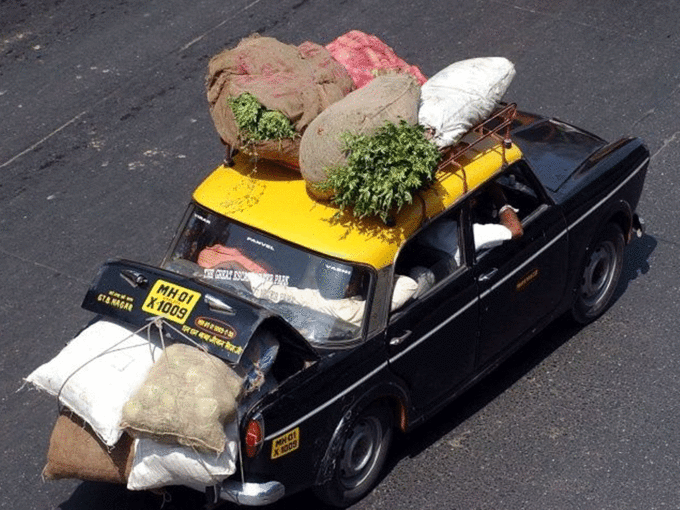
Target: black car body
{"x":328,"y":419}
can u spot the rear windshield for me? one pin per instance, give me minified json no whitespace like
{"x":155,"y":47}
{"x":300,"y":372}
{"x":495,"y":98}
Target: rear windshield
{"x":322,"y":298}
{"x":555,"y":150}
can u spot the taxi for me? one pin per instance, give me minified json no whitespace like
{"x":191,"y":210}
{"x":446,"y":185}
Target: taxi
{"x":382,"y":324}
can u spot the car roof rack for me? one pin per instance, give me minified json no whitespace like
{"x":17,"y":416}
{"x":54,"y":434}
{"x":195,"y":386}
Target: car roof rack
{"x":496,"y":127}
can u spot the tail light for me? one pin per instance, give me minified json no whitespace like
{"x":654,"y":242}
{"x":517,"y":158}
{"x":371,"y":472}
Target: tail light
{"x":254,"y":436}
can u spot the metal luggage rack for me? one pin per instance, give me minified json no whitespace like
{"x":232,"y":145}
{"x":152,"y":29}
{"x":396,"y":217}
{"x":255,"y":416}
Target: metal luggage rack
{"x":497,"y":126}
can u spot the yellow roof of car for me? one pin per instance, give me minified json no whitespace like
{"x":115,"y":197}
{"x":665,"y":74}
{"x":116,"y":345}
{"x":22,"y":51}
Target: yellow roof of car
{"x":275,"y":200}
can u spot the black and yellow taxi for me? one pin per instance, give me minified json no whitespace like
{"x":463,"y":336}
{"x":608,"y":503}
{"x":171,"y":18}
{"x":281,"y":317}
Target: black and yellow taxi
{"x":380,"y":325}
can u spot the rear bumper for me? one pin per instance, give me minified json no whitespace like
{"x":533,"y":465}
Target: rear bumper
{"x":251,"y":494}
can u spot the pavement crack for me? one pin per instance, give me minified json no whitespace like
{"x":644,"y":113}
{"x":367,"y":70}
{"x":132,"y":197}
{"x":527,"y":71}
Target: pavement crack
{"x":666,"y":143}
{"x":652,"y":110}
{"x":43,"y":140}
{"x":221,"y":24}
{"x":108,"y":96}
{"x":593,"y":26}
{"x":44,"y":266}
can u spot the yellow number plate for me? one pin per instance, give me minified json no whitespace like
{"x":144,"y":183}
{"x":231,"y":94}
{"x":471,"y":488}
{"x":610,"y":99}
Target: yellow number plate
{"x":171,"y":301}
{"x":286,"y":443}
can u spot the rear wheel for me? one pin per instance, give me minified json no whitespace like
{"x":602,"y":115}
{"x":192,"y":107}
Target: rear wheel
{"x":599,"y":275}
{"x":361,"y":457}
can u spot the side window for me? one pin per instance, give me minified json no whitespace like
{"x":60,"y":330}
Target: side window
{"x":519,"y":192}
{"x":501,"y":209}
{"x":429,"y":258}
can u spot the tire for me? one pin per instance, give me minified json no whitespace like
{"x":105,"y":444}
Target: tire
{"x":362,"y":454}
{"x":599,"y":274}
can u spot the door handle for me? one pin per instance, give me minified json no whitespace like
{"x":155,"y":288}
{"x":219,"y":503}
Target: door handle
{"x":488,"y":275}
{"x":399,"y":339}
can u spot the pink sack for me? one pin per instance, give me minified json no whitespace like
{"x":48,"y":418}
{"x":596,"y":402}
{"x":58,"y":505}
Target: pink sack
{"x":365,"y":55}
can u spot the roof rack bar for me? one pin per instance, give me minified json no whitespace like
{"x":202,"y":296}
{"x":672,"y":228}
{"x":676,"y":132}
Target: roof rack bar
{"x":499,"y":121}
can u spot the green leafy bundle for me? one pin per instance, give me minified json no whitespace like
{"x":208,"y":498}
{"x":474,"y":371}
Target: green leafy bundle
{"x":256,"y":123}
{"x":383,"y":170}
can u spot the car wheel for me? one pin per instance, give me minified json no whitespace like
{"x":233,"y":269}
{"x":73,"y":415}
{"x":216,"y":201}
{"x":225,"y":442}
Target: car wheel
{"x":360,"y":458}
{"x":599,"y":275}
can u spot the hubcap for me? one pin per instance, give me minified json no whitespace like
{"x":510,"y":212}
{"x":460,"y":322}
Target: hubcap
{"x":598,"y":274}
{"x":360,"y":451}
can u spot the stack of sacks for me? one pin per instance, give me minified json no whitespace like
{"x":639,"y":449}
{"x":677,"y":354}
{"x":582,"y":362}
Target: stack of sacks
{"x":186,"y":399}
{"x":103,"y":371}
{"x":462,"y":95}
{"x":300,"y":82}
{"x":365,"y":57}
{"x":446,"y":107}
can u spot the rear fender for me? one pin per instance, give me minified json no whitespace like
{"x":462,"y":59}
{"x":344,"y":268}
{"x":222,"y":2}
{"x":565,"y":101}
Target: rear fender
{"x":622,"y":215}
{"x":396,"y":398}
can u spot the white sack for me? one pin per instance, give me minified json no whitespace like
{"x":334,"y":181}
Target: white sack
{"x":97,"y":372}
{"x":462,"y":95}
{"x":161,"y":464}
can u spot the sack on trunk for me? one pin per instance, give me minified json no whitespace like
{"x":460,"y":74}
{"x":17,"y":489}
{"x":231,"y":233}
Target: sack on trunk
{"x":75,"y":451}
{"x":97,"y":372}
{"x":159,"y":464}
{"x":188,"y":398}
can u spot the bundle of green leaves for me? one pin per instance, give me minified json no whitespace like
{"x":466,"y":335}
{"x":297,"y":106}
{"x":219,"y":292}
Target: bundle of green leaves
{"x":383,"y":170}
{"x":256,"y":123}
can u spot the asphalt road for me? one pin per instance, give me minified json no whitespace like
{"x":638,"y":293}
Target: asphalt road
{"x":105,"y":131}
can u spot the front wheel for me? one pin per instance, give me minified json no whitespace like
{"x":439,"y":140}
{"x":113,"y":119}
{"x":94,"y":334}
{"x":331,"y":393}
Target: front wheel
{"x":599,"y":275}
{"x":361,"y":457}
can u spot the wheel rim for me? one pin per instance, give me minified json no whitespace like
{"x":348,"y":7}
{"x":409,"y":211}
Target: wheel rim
{"x":599,"y":274}
{"x":360,"y":451}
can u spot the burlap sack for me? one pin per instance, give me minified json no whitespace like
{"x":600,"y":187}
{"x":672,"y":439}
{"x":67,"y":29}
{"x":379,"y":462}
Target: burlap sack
{"x":285,"y":152}
{"x":298,"y":81}
{"x":187,"y":398}
{"x":75,"y":451}
{"x":386,"y":98}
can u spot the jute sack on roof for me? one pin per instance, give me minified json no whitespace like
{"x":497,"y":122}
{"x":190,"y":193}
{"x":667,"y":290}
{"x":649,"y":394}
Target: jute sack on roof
{"x":388,"y":98}
{"x":298,"y":81}
{"x":187,"y":398}
{"x":75,"y":451}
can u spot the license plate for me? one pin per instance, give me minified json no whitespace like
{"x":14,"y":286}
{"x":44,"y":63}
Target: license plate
{"x":170,"y":301}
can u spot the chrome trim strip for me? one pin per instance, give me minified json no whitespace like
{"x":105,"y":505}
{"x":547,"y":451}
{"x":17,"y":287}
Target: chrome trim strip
{"x":324,"y":406}
{"x":611,"y":194}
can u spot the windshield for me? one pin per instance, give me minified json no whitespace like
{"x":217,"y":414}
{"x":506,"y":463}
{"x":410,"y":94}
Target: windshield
{"x":322,"y":298}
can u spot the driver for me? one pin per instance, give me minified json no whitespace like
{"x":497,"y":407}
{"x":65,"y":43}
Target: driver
{"x":443,"y":235}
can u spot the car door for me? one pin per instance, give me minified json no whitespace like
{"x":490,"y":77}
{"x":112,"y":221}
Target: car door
{"x":432,"y":339}
{"x":521,"y":280}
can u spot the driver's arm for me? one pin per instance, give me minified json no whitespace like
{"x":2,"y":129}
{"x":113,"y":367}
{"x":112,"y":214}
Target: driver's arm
{"x":508,"y":216}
